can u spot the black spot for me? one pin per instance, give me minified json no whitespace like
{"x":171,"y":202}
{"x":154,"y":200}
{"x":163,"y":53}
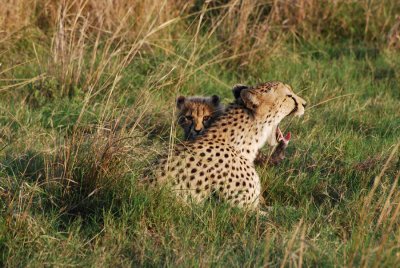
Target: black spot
{"x":194,"y":170}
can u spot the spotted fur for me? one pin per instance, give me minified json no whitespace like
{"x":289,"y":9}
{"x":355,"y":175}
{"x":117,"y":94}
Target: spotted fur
{"x":221,"y":161}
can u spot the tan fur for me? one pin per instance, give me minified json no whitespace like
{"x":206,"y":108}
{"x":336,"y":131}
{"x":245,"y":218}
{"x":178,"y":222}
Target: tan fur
{"x":221,"y":161}
{"x":196,"y":114}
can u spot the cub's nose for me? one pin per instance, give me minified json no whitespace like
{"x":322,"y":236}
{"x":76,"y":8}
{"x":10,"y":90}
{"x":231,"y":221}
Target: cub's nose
{"x":304,"y":104}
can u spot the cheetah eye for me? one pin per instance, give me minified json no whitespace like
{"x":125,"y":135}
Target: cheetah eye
{"x":189,"y":117}
{"x":206,"y":118}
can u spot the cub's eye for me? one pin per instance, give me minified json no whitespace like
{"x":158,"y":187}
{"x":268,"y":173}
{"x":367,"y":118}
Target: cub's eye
{"x":206,"y":118}
{"x":189,"y":117}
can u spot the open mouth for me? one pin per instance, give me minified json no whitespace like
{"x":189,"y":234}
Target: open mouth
{"x":281,"y":138}
{"x":293,"y":111}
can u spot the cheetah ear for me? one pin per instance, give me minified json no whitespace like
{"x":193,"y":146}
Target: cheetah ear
{"x":237,"y":89}
{"x":180,"y":101}
{"x":250,"y":99}
{"x":215,"y":100}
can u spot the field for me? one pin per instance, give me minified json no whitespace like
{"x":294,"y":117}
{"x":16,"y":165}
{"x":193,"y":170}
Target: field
{"x":87,"y":104}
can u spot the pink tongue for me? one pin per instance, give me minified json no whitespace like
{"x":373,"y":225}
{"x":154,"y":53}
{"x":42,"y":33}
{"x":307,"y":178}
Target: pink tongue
{"x":281,"y":137}
{"x":288,"y":136}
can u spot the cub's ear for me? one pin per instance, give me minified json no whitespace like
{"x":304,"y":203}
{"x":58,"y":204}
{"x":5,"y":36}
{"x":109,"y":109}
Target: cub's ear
{"x":237,"y":89}
{"x":215,"y":100}
{"x":180,"y":101}
{"x":250,"y":99}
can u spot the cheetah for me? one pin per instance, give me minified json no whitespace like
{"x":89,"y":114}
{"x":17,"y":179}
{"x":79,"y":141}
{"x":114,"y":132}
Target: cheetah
{"x":196,"y":114}
{"x":278,"y":155}
{"x":220,"y":162}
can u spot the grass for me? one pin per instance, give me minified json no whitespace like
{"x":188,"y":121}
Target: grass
{"x":79,"y":128}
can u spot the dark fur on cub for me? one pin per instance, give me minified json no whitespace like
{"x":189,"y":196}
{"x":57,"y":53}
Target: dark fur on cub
{"x":196,"y":114}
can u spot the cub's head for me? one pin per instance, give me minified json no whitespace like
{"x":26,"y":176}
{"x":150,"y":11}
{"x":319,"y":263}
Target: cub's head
{"x":270,"y":102}
{"x":195,"y":114}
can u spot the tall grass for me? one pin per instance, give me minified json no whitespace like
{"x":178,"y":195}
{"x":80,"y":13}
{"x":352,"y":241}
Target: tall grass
{"x":92,"y":41}
{"x":87,"y":92}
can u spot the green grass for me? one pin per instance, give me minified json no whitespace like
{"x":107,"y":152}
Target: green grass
{"x":70,"y":168}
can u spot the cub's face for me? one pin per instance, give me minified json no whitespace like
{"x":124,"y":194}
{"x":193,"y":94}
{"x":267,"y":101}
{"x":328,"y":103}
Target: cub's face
{"x":195,"y":114}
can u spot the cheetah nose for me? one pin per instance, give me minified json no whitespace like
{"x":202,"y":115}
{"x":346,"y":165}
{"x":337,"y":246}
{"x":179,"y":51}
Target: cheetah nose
{"x":305,"y":104}
{"x":197,"y":130}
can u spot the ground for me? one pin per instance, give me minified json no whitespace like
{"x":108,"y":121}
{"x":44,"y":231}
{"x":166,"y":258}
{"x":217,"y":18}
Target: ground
{"x":71,"y":164}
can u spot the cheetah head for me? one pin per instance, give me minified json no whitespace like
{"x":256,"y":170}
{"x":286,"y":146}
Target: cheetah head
{"x":270,"y":102}
{"x":196,"y":114}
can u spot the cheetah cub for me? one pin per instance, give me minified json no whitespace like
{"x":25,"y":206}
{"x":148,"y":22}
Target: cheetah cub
{"x":196,"y":114}
{"x":220,"y":161}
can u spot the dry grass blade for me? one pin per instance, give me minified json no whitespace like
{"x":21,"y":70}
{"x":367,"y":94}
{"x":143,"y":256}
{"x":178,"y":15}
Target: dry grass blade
{"x":289,"y":246}
{"x":23,"y":83}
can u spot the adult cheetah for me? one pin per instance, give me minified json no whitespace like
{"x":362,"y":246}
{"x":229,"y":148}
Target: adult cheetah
{"x":221,"y":161}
